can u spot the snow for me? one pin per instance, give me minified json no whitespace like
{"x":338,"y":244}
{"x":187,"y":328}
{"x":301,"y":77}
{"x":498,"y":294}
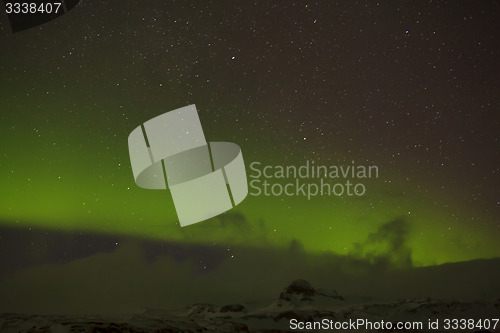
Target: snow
{"x":299,"y":300}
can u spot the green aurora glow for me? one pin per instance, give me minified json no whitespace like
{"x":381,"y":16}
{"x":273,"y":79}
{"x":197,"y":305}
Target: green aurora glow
{"x":70,"y":97}
{"x":88,"y":186}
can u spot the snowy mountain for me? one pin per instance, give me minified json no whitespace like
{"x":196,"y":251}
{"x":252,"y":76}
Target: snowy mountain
{"x":298,"y":307}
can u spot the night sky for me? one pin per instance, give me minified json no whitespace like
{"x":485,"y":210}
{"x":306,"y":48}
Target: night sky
{"x":411,"y":87}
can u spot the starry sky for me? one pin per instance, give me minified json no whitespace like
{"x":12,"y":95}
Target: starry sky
{"x":411,"y":87}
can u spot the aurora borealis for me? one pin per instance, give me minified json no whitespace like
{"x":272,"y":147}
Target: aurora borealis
{"x":409,"y":87}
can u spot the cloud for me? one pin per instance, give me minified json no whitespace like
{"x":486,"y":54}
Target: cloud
{"x":230,"y":225}
{"x":136,"y":275}
{"x":387,"y":246}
